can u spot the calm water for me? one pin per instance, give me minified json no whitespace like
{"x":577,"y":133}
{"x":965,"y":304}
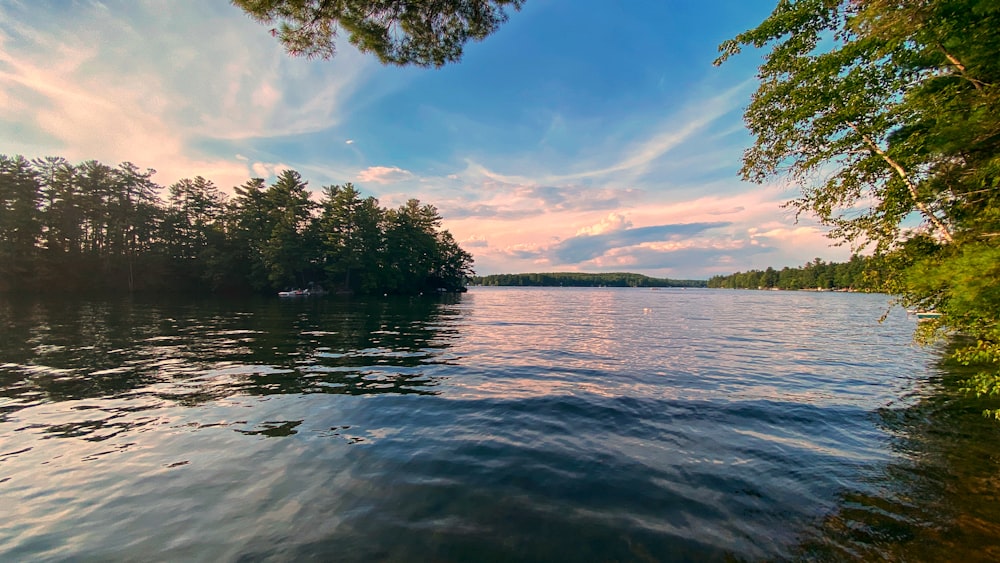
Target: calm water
{"x":504,"y":424}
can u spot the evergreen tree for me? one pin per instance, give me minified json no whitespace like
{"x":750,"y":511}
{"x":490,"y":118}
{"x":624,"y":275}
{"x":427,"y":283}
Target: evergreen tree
{"x":94,"y":227}
{"x":350,"y":228}
{"x":396,"y":31}
{"x":289,"y":252}
{"x":452,"y":265}
{"x":193,"y":234}
{"x":20,"y":225}
{"x":250,"y":227}
{"x":411,"y":247}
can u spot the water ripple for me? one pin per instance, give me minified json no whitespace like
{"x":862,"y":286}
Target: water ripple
{"x":528,"y":424}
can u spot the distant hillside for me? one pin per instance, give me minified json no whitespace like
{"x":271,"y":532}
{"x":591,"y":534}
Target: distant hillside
{"x":577,"y":279}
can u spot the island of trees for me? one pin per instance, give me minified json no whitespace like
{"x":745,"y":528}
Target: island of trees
{"x":92,"y":227}
{"x":578,"y":279}
{"x":860,"y":273}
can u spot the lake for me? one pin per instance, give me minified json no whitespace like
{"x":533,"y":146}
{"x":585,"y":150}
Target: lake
{"x":529,"y":424}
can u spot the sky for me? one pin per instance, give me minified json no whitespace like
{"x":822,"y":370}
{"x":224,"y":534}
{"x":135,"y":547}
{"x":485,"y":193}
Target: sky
{"x":585,"y":135}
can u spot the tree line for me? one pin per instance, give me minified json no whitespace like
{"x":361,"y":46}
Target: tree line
{"x":860,"y":273}
{"x":92,"y":227}
{"x":579,"y":279}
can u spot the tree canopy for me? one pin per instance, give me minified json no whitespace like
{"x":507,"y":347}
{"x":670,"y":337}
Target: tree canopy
{"x":400,"y":32}
{"x":91,"y":227}
{"x":886,"y":113}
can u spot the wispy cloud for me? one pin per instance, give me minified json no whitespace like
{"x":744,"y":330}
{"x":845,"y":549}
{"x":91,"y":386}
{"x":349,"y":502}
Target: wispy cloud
{"x":494,"y":199}
{"x":625,"y":163}
{"x":589,"y":246}
{"x":126,"y":87}
{"x":488,"y":211}
{"x":637,"y":157}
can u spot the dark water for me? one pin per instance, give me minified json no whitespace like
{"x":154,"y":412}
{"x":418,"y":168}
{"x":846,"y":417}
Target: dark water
{"x":505,"y":424}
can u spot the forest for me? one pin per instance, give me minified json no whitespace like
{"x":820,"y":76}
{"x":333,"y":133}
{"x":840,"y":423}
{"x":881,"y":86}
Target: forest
{"x":860,"y":273}
{"x":579,"y":279}
{"x":90,"y":227}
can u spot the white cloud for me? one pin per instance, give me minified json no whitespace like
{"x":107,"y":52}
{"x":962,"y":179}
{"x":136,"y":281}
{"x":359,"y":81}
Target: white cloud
{"x":613,"y":222}
{"x":715,"y":243}
{"x":384,"y":174}
{"x":268,"y":169}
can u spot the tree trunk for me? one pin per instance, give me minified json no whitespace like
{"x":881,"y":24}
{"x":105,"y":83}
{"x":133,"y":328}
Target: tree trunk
{"x":901,"y":172}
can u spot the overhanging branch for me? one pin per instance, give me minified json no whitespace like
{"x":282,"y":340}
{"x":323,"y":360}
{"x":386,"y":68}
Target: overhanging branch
{"x":901,"y":172}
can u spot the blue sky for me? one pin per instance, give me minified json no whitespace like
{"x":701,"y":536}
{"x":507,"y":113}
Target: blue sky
{"x":582,"y":136}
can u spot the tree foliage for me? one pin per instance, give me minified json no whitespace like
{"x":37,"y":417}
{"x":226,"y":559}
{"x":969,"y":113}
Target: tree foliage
{"x":20,"y":223}
{"x":91,"y":227}
{"x":887,"y":114}
{"x":401,"y":32}
{"x":352,"y":236}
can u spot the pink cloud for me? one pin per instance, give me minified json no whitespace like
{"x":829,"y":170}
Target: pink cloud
{"x":474,"y":241}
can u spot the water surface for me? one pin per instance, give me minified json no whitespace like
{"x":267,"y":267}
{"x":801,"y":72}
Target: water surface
{"x":504,"y":424}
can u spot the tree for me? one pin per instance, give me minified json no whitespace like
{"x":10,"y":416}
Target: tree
{"x":19,"y":221}
{"x":195,"y":207}
{"x":93,"y":227}
{"x":137,"y":215}
{"x":193,"y":234}
{"x":94,"y":185}
{"x":401,"y":32}
{"x":61,"y":220}
{"x":250,"y":228}
{"x":886,"y":111}
{"x":351,"y":236}
{"x":290,"y":249}
{"x":453,"y":265}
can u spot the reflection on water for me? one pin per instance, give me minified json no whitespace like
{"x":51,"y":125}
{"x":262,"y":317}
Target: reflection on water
{"x":205,"y":351}
{"x":937,"y":500}
{"x":522,"y":424}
